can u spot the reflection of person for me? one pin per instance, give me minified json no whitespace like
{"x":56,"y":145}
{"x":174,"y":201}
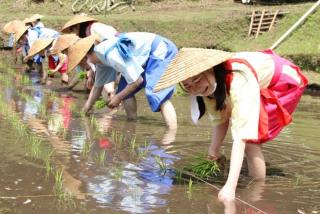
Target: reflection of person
{"x":141,"y":58}
{"x":256,"y":91}
{"x":137,"y":187}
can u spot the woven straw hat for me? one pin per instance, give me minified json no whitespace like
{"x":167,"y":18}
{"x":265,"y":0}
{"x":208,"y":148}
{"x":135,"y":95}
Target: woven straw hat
{"x":77,"y":20}
{"x":77,"y":51}
{"x":37,"y":46}
{"x":20,"y":31}
{"x":190,"y":62}
{"x":63,"y":42}
{"x":27,"y":20}
{"x":35,"y":17}
{"x":13,"y":26}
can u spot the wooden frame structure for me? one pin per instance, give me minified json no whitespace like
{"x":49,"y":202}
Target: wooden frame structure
{"x":263,"y":21}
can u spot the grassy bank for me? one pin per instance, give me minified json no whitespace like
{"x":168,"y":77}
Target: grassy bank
{"x":211,"y":24}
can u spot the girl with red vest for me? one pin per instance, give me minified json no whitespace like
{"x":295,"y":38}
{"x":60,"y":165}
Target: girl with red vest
{"x":253,"y":92}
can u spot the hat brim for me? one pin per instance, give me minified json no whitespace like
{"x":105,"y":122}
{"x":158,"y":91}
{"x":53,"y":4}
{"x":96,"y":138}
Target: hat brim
{"x":20,"y":32}
{"x":38,"y":46}
{"x":11,"y":27}
{"x":77,"y":20}
{"x":190,"y":62}
{"x":63,"y":42}
{"x":78,"y":51}
{"x":35,"y":17}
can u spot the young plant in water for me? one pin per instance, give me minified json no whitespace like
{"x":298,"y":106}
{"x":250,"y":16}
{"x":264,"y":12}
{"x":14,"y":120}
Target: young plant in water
{"x":132,"y":143}
{"x":35,"y":147}
{"x":86,"y":149}
{"x":189,"y":191}
{"x":48,"y":165}
{"x":204,"y":168}
{"x":161,"y":163}
{"x":25,"y":80}
{"x":118,"y":173}
{"x":99,"y":104}
{"x":101,"y":157}
{"x":58,"y":186}
{"x":82,"y":75}
{"x":178,"y":176}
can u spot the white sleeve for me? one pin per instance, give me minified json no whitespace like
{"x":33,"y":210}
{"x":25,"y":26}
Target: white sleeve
{"x":245,"y":99}
{"x":32,"y":37}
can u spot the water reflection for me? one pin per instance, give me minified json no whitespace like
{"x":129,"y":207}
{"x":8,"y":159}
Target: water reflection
{"x":133,"y":180}
{"x":135,"y":183}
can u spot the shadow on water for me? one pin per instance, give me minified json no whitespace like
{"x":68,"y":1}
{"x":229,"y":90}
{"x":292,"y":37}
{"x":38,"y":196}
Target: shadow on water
{"x":116,"y":166}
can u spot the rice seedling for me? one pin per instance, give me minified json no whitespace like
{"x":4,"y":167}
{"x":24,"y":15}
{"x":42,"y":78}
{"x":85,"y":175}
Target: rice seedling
{"x":58,"y":186}
{"x":101,"y":157}
{"x":189,"y":191}
{"x":82,"y":75}
{"x":86,"y":148}
{"x":162,"y":164}
{"x":35,"y":147}
{"x":99,"y":104}
{"x":178,"y":176}
{"x":204,"y":168}
{"x":94,"y":121}
{"x":25,"y":80}
{"x":48,"y":165}
{"x":43,"y":112}
{"x":118,"y":172}
{"x":132,"y":143}
{"x":65,"y":198}
{"x":120,"y":138}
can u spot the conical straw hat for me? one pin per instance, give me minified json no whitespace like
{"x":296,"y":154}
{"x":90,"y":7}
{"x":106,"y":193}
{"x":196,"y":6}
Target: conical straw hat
{"x":37,"y":46}
{"x":190,"y":62}
{"x":35,"y":17}
{"x":77,"y":20}
{"x":27,"y":20}
{"x":77,"y":51}
{"x":20,"y":31}
{"x":63,"y":42}
{"x":13,"y":26}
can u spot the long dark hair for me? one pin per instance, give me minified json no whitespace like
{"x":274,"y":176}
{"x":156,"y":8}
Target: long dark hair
{"x":220,"y":93}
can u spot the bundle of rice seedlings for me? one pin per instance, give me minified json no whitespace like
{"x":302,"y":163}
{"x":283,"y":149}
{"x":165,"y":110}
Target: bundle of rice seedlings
{"x":82,"y":75}
{"x":205,"y":168}
{"x":99,"y":104}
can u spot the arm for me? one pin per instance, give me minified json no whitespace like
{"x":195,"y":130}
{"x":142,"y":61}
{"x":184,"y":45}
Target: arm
{"x":62,"y":60}
{"x":115,"y":100}
{"x":89,"y":82}
{"x":227,"y":193}
{"x":93,"y":96}
{"x":218,"y":134}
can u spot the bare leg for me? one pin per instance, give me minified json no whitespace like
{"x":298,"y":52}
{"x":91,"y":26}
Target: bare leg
{"x":169,"y":115}
{"x":255,"y":160}
{"x":65,"y":78}
{"x":130,"y":106}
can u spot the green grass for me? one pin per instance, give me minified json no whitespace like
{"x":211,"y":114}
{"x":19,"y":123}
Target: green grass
{"x":212,"y":24}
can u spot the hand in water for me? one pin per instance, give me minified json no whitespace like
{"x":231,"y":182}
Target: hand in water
{"x":114,"y":102}
{"x":226,"y":194}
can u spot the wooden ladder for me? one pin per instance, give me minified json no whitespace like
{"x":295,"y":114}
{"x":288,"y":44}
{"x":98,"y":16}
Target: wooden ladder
{"x":262,"y":21}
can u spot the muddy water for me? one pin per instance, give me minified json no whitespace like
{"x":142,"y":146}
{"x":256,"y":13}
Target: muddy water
{"x":115,"y":166}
